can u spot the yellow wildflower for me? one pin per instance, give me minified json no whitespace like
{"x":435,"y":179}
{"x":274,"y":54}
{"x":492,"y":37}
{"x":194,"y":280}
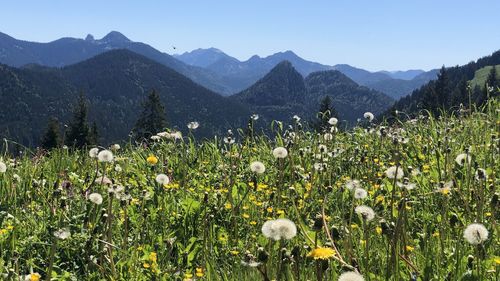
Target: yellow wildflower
{"x":410,"y":248}
{"x":321,"y":253}
{"x":199,"y":272}
{"x":152,"y":159}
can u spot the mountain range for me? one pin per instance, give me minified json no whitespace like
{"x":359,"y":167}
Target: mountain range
{"x":115,"y":83}
{"x":210,"y":68}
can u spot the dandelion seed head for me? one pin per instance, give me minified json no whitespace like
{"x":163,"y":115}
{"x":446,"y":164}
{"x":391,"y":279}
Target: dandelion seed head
{"x":95,"y":198}
{"x":463,"y":158}
{"x":333,"y":121}
{"x":280,"y":152}
{"x":62,"y":233}
{"x":115,"y":147}
{"x":366,"y":212}
{"x":279,"y":229}
{"x":162,"y":179}
{"x":360,"y":193}
{"x":394,"y":172}
{"x":105,"y":156}
{"x":353,"y":184}
{"x":369,"y":116}
{"x":3,"y":167}
{"x":257,"y":167}
{"x":93,"y":152}
{"x":476,"y":233}
{"x":351,"y":276}
{"x":193,"y":125}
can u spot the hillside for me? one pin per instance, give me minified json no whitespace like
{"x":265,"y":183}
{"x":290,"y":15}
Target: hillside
{"x":450,"y":89}
{"x":115,"y":84}
{"x":481,"y":75}
{"x":283,"y":92}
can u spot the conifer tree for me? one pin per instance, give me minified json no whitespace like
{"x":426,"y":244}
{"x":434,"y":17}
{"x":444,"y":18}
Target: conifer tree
{"x":152,"y":118}
{"x":52,"y":137}
{"x":326,"y":111}
{"x":441,"y":89}
{"x":94,"y":134}
{"x":492,"y":80}
{"x":78,"y":134}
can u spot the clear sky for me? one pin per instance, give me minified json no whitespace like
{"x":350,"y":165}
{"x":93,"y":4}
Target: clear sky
{"x":371,"y":34}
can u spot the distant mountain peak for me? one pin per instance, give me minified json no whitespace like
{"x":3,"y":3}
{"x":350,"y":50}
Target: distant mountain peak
{"x":89,"y":37}
{"x":115,"y":36}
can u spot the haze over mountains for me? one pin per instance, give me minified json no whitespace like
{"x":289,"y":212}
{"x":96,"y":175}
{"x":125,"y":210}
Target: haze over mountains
{"x":210,"y":68}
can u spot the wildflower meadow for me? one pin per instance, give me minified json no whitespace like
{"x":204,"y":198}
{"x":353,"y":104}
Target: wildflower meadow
{"x":412,"y":200}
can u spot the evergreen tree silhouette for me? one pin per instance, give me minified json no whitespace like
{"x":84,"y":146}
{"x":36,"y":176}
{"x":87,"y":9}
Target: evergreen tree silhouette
{"x":152,"y":118}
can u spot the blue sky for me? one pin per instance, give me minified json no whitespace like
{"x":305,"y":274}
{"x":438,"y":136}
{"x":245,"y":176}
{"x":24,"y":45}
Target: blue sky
{"x":372,"y":34}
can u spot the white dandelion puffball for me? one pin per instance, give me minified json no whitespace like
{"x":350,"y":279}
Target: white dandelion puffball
{"x":279,"y":229}
{"x":360,"y":193}
{"x":103,"y":180}
{"x":93,"y":152}
{"x":333,"y":121}
{"x":296,"y":118}
{"x":115,"y":147}
{"x":255,"y":117}
{"x":95,"y":198}
{"x":351,"y":276}
{"x":327,"y":137}
{"x":62,"y":233}
{"x":162,"y":179}
{"x":369,"y":116}
{"x":280,"y":152}
{"x":257,"y":167}
{"x":366,"y":212}
{"x":462,"y":158}
{"x":353,"y":184}
{"x":105,"y":156}
{"x":476,"y":233}
{"x":481,"y":174}
{"x":394,"y":172}
{"x":3,"y":167}
{"x":193,"y":125}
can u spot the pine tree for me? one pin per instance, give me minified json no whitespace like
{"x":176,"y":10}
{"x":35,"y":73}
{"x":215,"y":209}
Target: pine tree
{"x":492,"y":80}
{"x":441,"y":90}
{"x":94,"y":134}
{"x":326,"y":111}
{"x":52,"y":137}
{"x":152,"y":119}
{"x":78,"y":134}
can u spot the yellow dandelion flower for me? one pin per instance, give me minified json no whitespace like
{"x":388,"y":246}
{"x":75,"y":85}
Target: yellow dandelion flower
{"x":435,"y":234}
{"x":146,"y":265}
{"x":253,"y":223}
{"x":246,"y":216}
{"x":35,"y":277}
{"x":487,"y":214}
{"x":234,"y":252}
{"x":410,"y":248}
{"x":152,"y":159}
{"x":378,"y":229}
{"x":228,"y":206}
{"x":321,"y":253}
{"x":269,"y":209}
{"x":354,"y":226}
{"x":497,"y":260}
{"x":199,"y":272}
{"x":152,"y":257}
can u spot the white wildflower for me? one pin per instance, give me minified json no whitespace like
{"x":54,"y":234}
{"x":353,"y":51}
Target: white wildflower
{"x":193,"y":125}
{"x":279,"y":229}
{"x":105,"y":156}
{"x":3,"y":167}
{"x":95,"y":198}
{"x":62,"y":233}
{"x":366,"y":212}
{"x":280,"y":152}
{"x":360,"y":193}
{"x":93,"y":152}
{"x":351,"y":276}
{"x":162,"y":179}
{"x":394,"y":172}
{"x":462,"y":158}
{"x":476,"y":233}
{"x":333,"y":121}
{"x":353,"y":184}
{"x":257,"y":167}
{"x":369,"y":116}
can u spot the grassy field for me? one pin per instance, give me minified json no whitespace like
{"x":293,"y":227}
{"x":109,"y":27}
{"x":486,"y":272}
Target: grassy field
{"x":374,"y":203}
{"x":481,"y":75}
